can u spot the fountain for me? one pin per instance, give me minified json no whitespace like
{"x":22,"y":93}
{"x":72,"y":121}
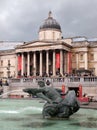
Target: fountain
{"x":55,"y":106}
{"x":24,"y":114}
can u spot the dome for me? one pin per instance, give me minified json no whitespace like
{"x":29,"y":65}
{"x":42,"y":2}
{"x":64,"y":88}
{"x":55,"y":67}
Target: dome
{"x":50,"y":23}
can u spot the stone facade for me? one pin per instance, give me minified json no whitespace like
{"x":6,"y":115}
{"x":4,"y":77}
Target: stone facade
{"x":8,"y":59}
{"x":7,"y":64}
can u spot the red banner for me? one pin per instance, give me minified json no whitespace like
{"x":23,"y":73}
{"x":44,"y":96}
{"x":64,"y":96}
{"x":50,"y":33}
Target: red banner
{"x":63,"y":89}
{"x":80,"y":90}
{"x":19,"y":62}
{"x":58,"y":60}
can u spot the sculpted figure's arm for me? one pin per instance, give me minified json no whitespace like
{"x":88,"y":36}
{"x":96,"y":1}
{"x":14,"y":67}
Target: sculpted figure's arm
{"x":41,"y":95}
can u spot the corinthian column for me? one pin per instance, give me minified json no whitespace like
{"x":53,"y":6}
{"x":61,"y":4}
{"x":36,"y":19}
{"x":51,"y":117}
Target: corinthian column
{"x":61,"y":62}
{"x":22,"y":71}
{"x":16,"y":65}
{"x":69,"y":63}
{"x":34,"y":63}
{"x":47,"y":62}
{"x":86,"y":61}
{"x":28,"y":64}
{"x":65,"y":61}
{"x":77,"y":61}
{"x":40,"y":63}
{"x":54,"y":73}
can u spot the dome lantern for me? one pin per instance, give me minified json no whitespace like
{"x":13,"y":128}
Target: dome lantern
{"x":50,"y":14}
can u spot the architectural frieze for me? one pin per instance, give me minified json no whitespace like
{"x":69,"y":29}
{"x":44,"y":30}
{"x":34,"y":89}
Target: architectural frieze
{"x":93,"y":44}
{"x":80,"y":44}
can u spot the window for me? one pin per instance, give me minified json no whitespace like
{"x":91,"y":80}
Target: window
{"x":8,"y":62}
{"x":1,"y":63}
{"x":8,"y":65}
{"x":53,"y":35}
{"x":44,"y":35}
{"x":73,"y":57}
{"x":91,"y":56}
{"x":81,"y":56}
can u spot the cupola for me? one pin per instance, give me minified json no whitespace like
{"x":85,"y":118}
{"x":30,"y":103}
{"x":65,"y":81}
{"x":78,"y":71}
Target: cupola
{"x":50,"y":29}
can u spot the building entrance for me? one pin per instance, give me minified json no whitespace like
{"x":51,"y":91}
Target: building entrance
{"x":76,"y":89}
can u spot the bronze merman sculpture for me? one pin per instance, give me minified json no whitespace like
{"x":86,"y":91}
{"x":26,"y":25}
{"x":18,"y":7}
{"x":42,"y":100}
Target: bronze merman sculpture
{"x":55,"y":106}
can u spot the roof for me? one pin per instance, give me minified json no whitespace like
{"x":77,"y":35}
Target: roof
{"x":8,"y":45}
{"x":92,"y":40}
{"x":79,"y":39}
{"x":82,"y":39}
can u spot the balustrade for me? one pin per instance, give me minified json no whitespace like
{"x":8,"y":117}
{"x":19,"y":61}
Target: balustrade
{"x":71,"y":79}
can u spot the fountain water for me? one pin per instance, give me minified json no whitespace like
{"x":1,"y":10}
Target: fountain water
{"x":26,"y":115}
{"x":8,"y":92}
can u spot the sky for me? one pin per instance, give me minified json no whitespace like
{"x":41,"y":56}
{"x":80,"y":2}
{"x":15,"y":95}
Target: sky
{"x":20,"y":19}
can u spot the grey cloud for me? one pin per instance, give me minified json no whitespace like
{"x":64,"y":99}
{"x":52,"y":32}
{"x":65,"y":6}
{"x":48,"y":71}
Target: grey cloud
{"x":21,"y":19}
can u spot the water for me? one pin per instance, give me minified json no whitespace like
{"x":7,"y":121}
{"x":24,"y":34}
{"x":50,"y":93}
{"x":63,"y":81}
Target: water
{"x":27,"y":115}
{"x":5,"y":93}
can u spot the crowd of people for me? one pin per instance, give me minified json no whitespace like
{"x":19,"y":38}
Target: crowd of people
{"x":3,"y":82}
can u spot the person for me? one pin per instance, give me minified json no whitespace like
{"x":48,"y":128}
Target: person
{"x":47,"y":82}
{"x":84,"y":95}
{"x":6,"y":82}
{"x":1,"y":82}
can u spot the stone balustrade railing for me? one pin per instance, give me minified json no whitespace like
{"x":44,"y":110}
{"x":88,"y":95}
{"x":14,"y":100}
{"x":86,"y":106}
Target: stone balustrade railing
{"x":69,"y":81}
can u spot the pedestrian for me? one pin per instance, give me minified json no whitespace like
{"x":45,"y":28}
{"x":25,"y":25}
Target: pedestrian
{"x":1,"y":82}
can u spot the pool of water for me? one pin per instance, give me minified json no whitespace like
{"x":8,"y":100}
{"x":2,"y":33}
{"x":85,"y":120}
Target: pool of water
{"x":27,"y":115}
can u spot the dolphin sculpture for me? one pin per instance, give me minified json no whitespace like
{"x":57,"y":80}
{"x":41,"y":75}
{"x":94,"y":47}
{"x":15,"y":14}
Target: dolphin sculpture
{"x":55,"y":105}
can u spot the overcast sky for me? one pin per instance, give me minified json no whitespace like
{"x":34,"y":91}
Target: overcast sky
{"x":20,"y":19}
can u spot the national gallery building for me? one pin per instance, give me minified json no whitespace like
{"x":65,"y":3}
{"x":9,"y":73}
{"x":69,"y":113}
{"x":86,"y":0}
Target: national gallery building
{"x":50,"y":55}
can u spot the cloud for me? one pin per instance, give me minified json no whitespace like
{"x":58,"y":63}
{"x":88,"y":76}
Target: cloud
{"x":20,"y":19}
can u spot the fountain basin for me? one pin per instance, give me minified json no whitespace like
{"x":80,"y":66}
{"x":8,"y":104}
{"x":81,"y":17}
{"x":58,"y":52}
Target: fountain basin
{"x":16,"y":114}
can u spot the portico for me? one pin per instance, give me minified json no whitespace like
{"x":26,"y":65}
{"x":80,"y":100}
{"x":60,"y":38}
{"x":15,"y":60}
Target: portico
{"x":43,"y":62}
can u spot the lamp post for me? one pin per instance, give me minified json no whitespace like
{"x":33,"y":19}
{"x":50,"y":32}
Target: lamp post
{"x":8,"y":70}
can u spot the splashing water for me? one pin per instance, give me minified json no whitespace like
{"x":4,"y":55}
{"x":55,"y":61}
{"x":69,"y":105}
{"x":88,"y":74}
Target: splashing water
{"x":21,"y":110}
{"x":8,"y":111}
{"x":9,"y":92}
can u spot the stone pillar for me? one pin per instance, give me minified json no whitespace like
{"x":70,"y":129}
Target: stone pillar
{"x":40,"y":63}
{"x":16,"y":66}
{"x":69,"y":62}
{"x":28,"y":64}
{"x":34,"y":63}
{"x":77,"y":61}
{"x":47,"y":62}
{"x":22,"y":70}
{"x":86,"y":60}
{"x":61,"y":62}
{"x":54,"y":73}
{"x":65,"y":61}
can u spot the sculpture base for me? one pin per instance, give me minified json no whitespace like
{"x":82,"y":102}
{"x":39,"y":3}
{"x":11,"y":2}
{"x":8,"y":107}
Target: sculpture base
{"x":56,"y":118}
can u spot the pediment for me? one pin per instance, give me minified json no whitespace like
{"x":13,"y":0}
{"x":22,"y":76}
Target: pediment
{"x":35,"y":44}
{"x":40,"y":44}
